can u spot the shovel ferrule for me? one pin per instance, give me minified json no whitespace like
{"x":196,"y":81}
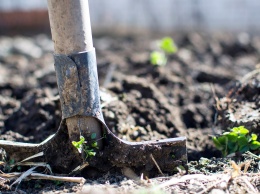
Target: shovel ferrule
{"x":77,"y":80}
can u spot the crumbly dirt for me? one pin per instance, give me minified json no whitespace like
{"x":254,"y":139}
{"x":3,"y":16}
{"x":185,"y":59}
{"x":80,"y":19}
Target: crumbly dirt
{"x":211,"y":84}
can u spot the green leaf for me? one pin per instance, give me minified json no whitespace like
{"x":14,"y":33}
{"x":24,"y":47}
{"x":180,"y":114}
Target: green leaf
{"x":232,"y":136}
{"x":93,"y":136}
{"x":224,"y":153}
{"x":240,"y":130}
{"x":254,"y":145}
{"x":167,"y":45}
{"x":158,"y":58}
{"x":218,"y":145}
{"x":90,"y":154}
{"x":253,"y":137}
{"x":223,"y":140}
{"x":242,"y":141}
{"x":232,"y":147}
{"x":77,"y":144}
{"x":243,"y":148}
{"x":94,"y":144}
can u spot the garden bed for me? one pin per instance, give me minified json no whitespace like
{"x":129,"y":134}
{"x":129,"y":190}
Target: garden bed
{"x":142,"y":102}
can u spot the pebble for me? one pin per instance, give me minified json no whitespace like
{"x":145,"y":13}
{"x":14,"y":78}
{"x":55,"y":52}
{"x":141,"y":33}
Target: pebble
{"x":217,"y":191}
{"x":111,"y":115}
{"x":135,"y":134}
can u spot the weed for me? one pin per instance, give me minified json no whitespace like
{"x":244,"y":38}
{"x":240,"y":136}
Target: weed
{"x":88,"y":149}
{"x":158,"y":58}
{"x":79,"y":144}
{"x":166,"y":47}
{"x":237,"y":140}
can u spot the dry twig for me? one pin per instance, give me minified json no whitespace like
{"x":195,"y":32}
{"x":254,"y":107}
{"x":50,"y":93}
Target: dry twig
{"x":158,"y":167}
{"x":185,"y":178}
{"x":225,"y":179}
{"x":249,"y":185}
{"x":23,"y":176}
{"x":249,"y":75}
{"x":31,"y":175}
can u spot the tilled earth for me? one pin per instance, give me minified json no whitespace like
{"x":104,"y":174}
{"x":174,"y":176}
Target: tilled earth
{"x":208,"y":86}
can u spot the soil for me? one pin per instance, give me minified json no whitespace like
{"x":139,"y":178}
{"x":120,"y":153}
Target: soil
{"x":211,"y":84}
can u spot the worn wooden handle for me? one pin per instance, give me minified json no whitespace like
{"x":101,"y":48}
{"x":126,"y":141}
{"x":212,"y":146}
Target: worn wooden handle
{"x":70,"y":26}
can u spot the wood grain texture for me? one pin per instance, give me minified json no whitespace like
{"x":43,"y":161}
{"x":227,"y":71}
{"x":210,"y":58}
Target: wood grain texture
{"x":70,"y":26}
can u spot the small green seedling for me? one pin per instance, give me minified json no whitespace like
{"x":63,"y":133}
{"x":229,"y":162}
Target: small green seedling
{"x":237,"y":140}
{"x":158,"y":58}
{"x":79,"y":144}
{"x":88,"y":150}
{"x":166,"y":47}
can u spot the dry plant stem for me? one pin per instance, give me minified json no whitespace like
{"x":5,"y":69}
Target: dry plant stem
{"x":71,"y":33}
{"x":216,"y":180}
{"x":249,"y":75}
{"x":225,"y":180}
{"x":57,"y":178}
{"x":44,"y":177}
{"x":184,"y":178}
{"x":156,"y":164}
{"x":250,"y":186}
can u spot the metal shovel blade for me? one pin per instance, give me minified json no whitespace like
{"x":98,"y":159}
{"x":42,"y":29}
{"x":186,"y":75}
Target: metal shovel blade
{"x":58,"y":152}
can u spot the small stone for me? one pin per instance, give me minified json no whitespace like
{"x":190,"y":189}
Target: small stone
{"x":142,"y":121}
{"x":135,"y":134}
{"x":111,"y":115}
{"x":217,"y":191}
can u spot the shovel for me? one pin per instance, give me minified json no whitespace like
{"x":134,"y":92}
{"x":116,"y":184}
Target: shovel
{"x":83,"y":139}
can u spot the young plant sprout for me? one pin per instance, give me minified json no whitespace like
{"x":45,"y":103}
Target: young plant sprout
{"x":166,"y":48}
{"x":88,"y":150}
{"x":158,"y":58}
{"x":237,"y":140}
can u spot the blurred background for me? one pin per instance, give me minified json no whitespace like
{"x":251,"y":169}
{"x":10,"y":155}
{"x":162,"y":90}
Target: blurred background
{"x":128,"y":16}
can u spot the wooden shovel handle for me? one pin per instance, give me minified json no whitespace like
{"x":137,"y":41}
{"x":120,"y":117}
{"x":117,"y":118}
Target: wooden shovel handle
{"x":70,"y":26}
